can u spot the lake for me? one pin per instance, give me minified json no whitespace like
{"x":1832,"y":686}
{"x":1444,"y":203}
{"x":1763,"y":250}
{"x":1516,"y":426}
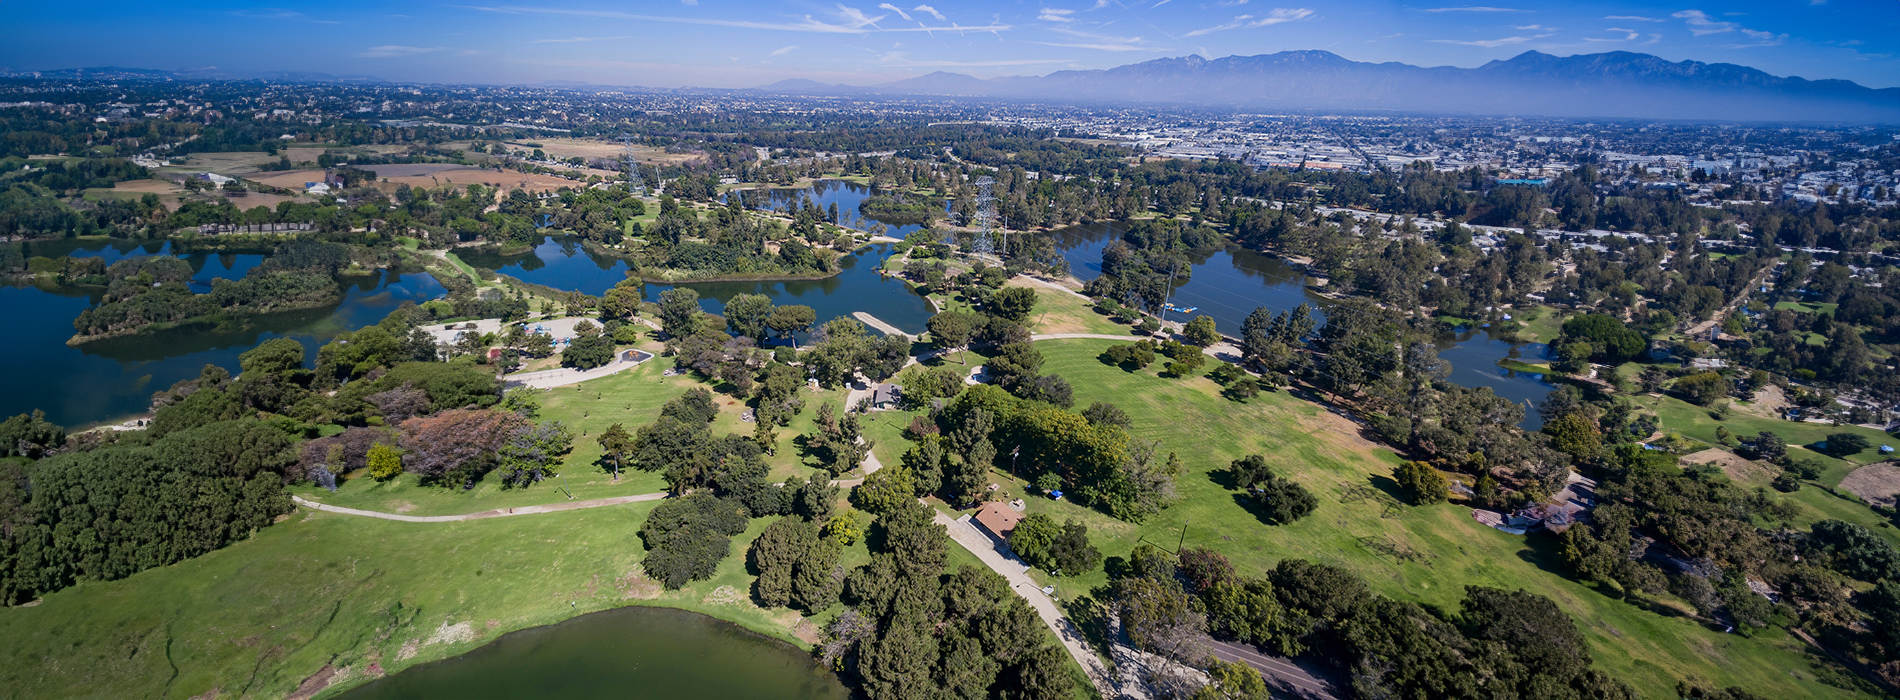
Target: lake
{"x":1229,"y":283}
{"x":563,"y":263}
{"x":114,"y":379}
{"x":634,"y":653}
{"x":822,"y":194}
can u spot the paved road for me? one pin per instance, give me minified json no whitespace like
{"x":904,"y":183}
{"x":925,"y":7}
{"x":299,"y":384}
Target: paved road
{"x":499,"y":513}
{"x":1016,"y":573}
{"x":1276,"y":669}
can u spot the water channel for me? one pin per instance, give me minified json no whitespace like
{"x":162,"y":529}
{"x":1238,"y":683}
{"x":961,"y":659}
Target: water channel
{"x":561,"y":262}
{"x":634,"y":653}
{"x":115,"y":378}
{"x":1229,"y":283}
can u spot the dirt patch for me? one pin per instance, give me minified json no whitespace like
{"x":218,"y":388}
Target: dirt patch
{"x":408,"y":650}
{"x":568,"y":148}
{"x":807,"y":632}
{"x":1769,"y":403}
{"x":314,"y":684}
{"x":213,"y":694}
{"x":410,"y":169}
{"x":1733,"y":465}
{"x":404,"y":507}
{"x":153,"y":186}
{"x":724,"y":595}
{"x":507,"y":179}
{"x":289,"y":179}
{"x":1878,"y":484}
{"x":452,"y":634}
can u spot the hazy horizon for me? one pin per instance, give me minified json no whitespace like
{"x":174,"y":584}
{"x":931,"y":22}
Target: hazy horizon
{"x":748,"y":43}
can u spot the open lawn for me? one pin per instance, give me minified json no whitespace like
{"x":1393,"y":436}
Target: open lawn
{"x":1061,"y":312}
{"x":1424,"y":554}
{"x":365,"y":596}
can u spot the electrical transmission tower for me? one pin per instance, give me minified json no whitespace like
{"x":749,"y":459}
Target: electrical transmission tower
{"x":986,"y":219}
{"x":635,"y":185}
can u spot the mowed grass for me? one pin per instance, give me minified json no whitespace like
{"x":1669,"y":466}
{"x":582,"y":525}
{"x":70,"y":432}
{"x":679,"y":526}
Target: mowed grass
{"x":633,"y":399}
{"x":1443,"y":549}
{"x":256,"y":618}
{"x":1061,"y":312}
{"x":1694,"y":421}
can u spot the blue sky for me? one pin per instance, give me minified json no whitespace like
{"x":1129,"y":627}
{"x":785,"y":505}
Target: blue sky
{"x":743,"y":43}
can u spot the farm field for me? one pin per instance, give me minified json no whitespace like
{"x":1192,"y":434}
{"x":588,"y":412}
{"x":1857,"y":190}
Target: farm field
{"x":589,"y":149}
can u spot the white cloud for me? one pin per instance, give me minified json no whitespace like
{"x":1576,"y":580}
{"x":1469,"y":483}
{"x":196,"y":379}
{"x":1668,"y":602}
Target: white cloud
{"x":926,"y":9}
{"x":1492,"y":43}
{"x":894,"y":8}
{"x":900,"y":58}
{"x":1537,"y":28}
{"x":1634,"y":18}
{"x":1055,"y":15}
{"x":390,"y":51}
{"x":577,"y":39}
{"x":856,"y":22}
{"x":1479,"y":8}
{"x":1632,"y":35}
{"x":1231,"y":3}
{"x":280,"y":14}
{"x":785,"y":50}
{"x":1700,"y":25}
{"x":1279,"y":15}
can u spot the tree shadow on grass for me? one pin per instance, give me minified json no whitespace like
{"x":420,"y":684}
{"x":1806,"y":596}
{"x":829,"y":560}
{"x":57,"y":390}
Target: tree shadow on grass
{"x":1545,"y":552}
{"x":1389,"y":487}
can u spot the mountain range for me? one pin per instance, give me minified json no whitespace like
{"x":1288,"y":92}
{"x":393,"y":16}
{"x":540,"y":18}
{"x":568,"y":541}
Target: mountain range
{"x":1618,"y":84}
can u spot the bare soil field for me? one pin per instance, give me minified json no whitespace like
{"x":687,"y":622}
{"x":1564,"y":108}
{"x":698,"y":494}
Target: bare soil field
{"x":471,"y":176}
{"x":1732,"y":464}
{"x":1878,"y":484}
{"x":587,"y":148}
{"x":290,"y":179}
{"x":1768,"y":403}
{"x":152,"y":186}
{"x":411,"y":170}
{"x":230,"y":163}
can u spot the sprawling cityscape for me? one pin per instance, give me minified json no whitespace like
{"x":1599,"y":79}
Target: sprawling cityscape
{"x":1267,"y":376}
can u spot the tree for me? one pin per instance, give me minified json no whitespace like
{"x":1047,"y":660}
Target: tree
{"x":1613,"y":342}
{"x":1282,"y":500}
{"x":1201,"y":331}
{"x":1250,"y":471}
{"x":534,"y":454}
{"x":885,"y":490}
{"x":1015,"y":368}
{"x":775,"y":556}
{"x":1652,"y":378}
{"x":686,"y":537}
{"x":1703,"y":388}
{"x":679,"y":312}
{"x":1844,"y":445}
{"x":274,"y":356}
{"x":456,"y":448}
{"x":1771,"y":447}
{"x":1232,"y":681}
{"x":1425,"y":484}
{"x":1107,"y":414}
{"x":1013,"y":303}
{"x":790,"y":320}
{"x":586,"y":352}
{"x":1574,"y":434}
{"x":615,"y":443}
{"x":1062,"y":550}
{"x":952,"y":329}
{"x":747,"y":315}
{"x":384,"y":462}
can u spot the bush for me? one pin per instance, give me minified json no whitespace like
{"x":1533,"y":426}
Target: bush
{"x":384,"y":462}
{"x":586,"y":352}
{"x":687,"y":537}
{"x":1425,"y":484}
{"x":1061,"y":550}
{"x":1843,"y":445}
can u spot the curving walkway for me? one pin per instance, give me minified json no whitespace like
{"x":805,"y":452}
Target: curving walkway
{"x":497,"y":513}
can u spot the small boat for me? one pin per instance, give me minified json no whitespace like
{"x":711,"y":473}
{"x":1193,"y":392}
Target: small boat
{"x":1181,"y":309}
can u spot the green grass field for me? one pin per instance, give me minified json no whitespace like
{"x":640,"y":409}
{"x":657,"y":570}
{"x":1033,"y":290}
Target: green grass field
{"x":1423,"y":554}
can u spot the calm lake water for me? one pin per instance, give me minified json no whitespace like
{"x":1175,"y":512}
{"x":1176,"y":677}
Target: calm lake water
{"x":1229,"y":283}
{"x":824,"y":193}
{"x":634,"y":653}
{"x":562,"y":263}
{"x":115,"y":378}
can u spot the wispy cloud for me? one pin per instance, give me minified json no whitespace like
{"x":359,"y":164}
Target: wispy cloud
{"x":854,"y":21}
{"x":1492,"y":43}
{"x":893,"y":8}
{"x":901,"y":58}
{"x":391,"y":51}
{"x":1054,"y":15}
{"x":1537,"y":28}
{"x":785,"y":50}
{"x":273,"y":13}
{"x":1478,"y":8}
{"x":576,"y":40}
{"x":1632,"y":35}
{"x":1700,"y":25}
{"x":1634,"y":18}
{"x":1279,"y":15}
{"x":926,"y":9}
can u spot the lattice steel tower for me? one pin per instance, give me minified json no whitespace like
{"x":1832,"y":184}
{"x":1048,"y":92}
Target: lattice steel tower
{"x":986,"y":221}
{"x":635,"y":185}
